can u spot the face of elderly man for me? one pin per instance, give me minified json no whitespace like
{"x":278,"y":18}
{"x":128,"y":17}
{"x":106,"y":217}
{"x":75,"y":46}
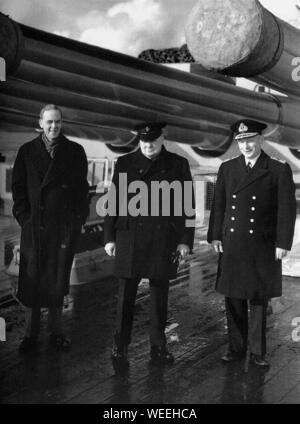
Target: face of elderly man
{"x":51,"y":124}
{"x":151,"y":149}
{"x":251,"y":147}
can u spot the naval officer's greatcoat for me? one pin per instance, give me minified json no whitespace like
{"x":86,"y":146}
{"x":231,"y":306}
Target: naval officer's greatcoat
{"x":252,"y":214}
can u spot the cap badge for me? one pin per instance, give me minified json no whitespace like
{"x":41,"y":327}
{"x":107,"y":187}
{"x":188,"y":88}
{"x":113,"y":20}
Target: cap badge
{"x":147,"y":129}
{"x":243,"y":128}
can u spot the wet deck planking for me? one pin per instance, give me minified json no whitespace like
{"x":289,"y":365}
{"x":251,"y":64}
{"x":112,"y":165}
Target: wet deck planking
{"x":197,"y":338}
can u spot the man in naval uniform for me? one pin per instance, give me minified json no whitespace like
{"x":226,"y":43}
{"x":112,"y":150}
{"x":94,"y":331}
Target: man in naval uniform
{"x":145,"y":245}
{"x":251,"y":226}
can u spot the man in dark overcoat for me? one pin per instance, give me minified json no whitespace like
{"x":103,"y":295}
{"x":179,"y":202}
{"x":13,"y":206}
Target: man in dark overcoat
{"x":49,"y":187}
{"x":145,"y":232}
{"x":252,"y":226}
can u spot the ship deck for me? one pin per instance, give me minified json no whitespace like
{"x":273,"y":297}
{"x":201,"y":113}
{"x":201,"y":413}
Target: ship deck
{"x":196,"y":334}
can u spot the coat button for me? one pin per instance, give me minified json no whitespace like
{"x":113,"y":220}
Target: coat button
{"x":251,"y":231}
{"x":252,"y":220}
{"x":232,"y":230}
{"x":232,"y":218}
{"x":140,"y":171}
{"x":254,"y":197}
{"x":234,"y":196}
{"x":253,"y":208}
{"x":233,"y":207}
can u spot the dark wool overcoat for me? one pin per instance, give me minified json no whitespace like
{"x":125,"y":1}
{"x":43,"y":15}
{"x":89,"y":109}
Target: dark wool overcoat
{"x":145,"y":244}
{"x":252,"y":214}
{"x":50,"y":204}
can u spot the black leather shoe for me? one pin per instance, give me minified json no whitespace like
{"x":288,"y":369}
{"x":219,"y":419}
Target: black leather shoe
{"x":60,"y":341}
{"x":231,"y":356}
{"x":259,"y":360}
{"x":160,"y":355}
{"x":28,"y":345}
{"x":120,"y":355}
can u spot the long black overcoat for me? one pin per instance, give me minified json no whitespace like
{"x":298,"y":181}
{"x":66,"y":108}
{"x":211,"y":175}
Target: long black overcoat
{"x":252,"y":213}
{"x":50,"y":204}
{"x":145,"y":244}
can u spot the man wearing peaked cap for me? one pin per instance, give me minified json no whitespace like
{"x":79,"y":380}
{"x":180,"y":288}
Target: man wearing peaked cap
{"x":150,"y":131}
{"x":146,"y":245}
{"x":251,"y":226}
{"x":247,"y":128}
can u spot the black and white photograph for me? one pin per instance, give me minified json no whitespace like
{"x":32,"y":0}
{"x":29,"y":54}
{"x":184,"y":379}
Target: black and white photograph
{"x":149,"y":205}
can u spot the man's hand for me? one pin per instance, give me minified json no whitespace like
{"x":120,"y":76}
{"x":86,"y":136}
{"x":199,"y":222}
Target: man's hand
{"x":183,"y":249}
{"x":217,"y":246}
{"x":110,"y":248}
{"x":280,"y":253}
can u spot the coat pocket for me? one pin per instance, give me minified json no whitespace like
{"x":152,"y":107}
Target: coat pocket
{"x":174,"y":227}
{"x":224,"y":231}
{"x":28,"y":263}
{"x":26,"y":235}
{"x":269,"y":235}
{"x":172,"y":236}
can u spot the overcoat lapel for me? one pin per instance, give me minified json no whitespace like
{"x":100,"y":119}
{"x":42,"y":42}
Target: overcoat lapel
{"x":58,"y":163}
{"x":259,"y":170}
{"x":40,"y":158}
{"x":143,"y":164}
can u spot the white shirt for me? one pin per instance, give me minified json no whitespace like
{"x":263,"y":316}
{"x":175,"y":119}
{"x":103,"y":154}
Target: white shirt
{"x":252,"y":161}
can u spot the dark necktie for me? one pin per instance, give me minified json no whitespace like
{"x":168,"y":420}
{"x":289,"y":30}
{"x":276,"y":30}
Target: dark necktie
{"x":249,"y":167}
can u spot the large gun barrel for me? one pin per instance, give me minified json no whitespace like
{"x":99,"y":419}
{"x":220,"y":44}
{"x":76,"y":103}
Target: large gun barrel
{"x":104,"y":94}
{"x":243,"y":39}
